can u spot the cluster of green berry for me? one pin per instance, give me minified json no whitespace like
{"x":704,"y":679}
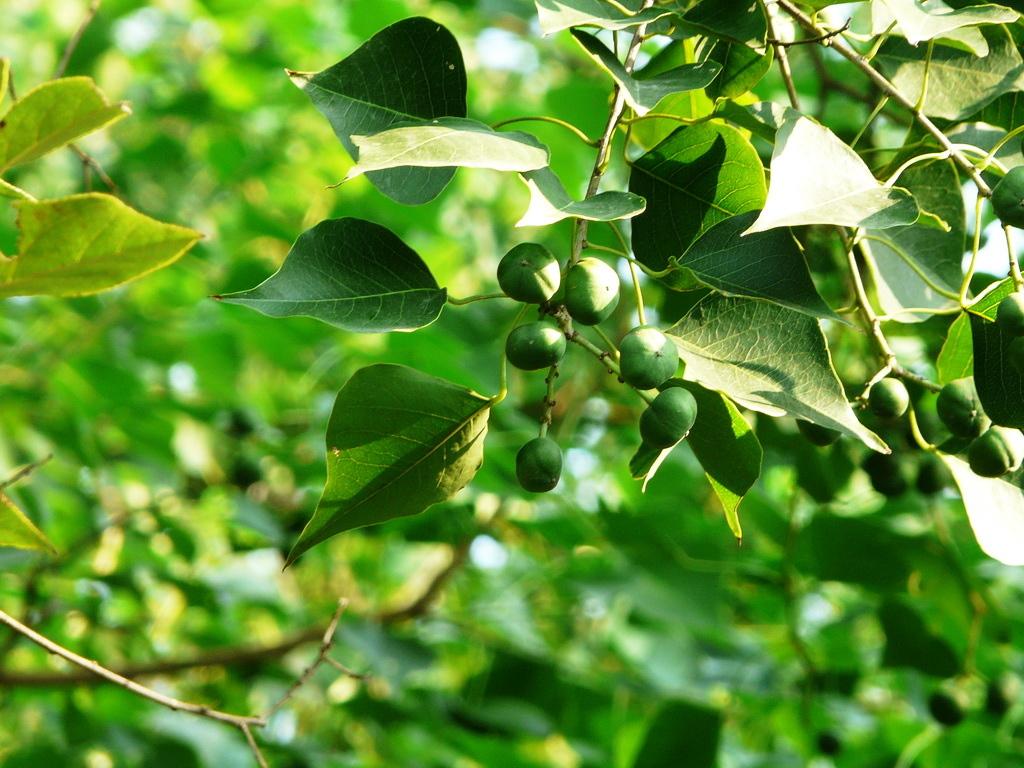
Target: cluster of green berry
{"x":589,"y":292}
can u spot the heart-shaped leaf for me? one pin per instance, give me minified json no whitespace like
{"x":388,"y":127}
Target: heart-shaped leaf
{"x":353,"y":274}
{"x":398,"y":441}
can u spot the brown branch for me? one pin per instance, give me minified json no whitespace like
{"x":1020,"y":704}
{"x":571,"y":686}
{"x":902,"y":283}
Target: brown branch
{"x":23,"y":472}
{"x":783,"y":58}
{"x":130,"y":685}
{"x":90,"y":162}
{"x":69,"y":50}
{"x":231,"y":656}
{"x":858,"y":60}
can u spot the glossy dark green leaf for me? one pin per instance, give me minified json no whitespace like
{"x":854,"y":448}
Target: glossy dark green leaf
{"x":697,"y":177}
{"x":741,"y":21}
{"x":398,"y":441}
{"x":764,"y":265}
{"x":353,"y":274}
{"x":1000,"y":385}
{"x":682,"y":734}
{"x":410,"y":71}
{"x":742,"y":68}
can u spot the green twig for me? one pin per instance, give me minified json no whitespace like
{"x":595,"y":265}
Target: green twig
{"x":548,"y":119}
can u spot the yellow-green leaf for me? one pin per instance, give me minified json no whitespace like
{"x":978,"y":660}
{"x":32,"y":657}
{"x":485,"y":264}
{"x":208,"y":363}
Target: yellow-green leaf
{"x":52,"y":115}
{"x":16,"y":530}
{"x":85,"y":244}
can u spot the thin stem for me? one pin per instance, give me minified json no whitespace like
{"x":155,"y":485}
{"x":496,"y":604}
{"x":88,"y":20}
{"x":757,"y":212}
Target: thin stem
{"x":871,"y":118}
{"x":88,"y":161}
{"x":783,"y":58}
{"x":876,"y":77}
{"x":549,"y":400}
{"x":605,"y":249}
{"x":608,"y":342}
{"x":503,"y":368}
{"x":139,"y":690}
{"x":927,"y":156}
{"x":917,"y":745}
{"x":965,"y":286}
{"x":665,"y":116}
{"x":253,"y":746}
{"x":90,"y":14}
{"x":1018,"y":279}
{"x":470,"y":299}
{"x":605,"y":143}
{"x":944,"y":292}
{"x":548,"y":119}
{"x":1000,"y":144}
{"x":641,"y":316}
{"x":23,"y":472}
{"x":915,"y":431}
{"x":326,"y":643}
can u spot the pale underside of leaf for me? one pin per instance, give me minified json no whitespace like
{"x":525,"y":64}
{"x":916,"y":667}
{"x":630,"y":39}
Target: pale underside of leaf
{"x":767,"y":358}
{"x":922,"y":21}
{"x":995,"y":509}
{"x":556,"y":15}
{"x":446,"y":143}
{"x":816,"y":179}
{"x":550,"y":203}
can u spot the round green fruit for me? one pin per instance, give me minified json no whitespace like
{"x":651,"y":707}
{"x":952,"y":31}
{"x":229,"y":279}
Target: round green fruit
{"x":529,"y":273}
{"x":669,"y":418}
{"x":533,"y":346}
{"x":889,"y":399}
{"x":960,"y":409}
{"x":539,"y":465}
{"x":1015,"y":354}
{"x":997,"y":452}
{"x":647,"y":357}
{"x":932,"y":475}
{"x":591,"y":291}
{"x":829,"y":744}
{"x":1010,"y":314}
{"x":888,"y":473}
{"x":1008,"y":198}
{"x":818,"y":435}
{"x":945,"y":709}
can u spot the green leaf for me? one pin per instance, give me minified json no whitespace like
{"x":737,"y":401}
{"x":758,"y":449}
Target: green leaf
{"x":959,"y":82}
{"x":742,"y":68}
{"x":556,"y":15}
{"x":408,"y":72}
{"x":353,"y":274}
{"x":52,"y":115}
{"x":921,"y":21}
{"x":817,"y":179}
{"x":765,"y":265}
{"x":643,"y":94}
{"x":16,"y":530}
{"x":727,"y":449}
{"x":549,"y":202}
{"x":767,"y":358}
{"x":10,"y":190}
{"x":681,"y":735}
{"x":448,"y":142}
{"x":697,"y":177}
{"x":741,"y":21}
{"x":1000,"y":385}
{"x":87,"y":243}
{"x":398,"y":441}
{"x":995,"y":509}
{"x":910,"y":642}
{"x":956,"y":358}
{"x":913,"y":262}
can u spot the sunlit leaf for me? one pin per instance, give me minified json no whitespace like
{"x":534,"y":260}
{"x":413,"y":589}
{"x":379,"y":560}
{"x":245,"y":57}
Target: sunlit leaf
{"x":995,"y":508}
{"x":550,"y":203}
{"x":16,"y":530}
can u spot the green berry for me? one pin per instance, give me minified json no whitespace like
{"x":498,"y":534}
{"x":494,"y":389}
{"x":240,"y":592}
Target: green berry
{"x":539,"y":465}
{"x":945,"y":709}
{"x":960,"y":409}
{"x":1010,"y":314}
{"x":533,"y":346}
{"x":829,"y":744}
{"x":816,"y":434}
{"x":1008,"y":198}
{"x":932,"y":475}
{"x":1015,"y":354}
{"x":669,"y":418}
{"x":889,"y":473}
{"x":529,"y":273}
{"x":591,"y":291}
{"x":889,"y":399}
{"x":647,"y":357}
{"x":997,"y":452}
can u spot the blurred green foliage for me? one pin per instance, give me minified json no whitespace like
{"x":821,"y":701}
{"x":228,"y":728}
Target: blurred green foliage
{"x":597,"y":626}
